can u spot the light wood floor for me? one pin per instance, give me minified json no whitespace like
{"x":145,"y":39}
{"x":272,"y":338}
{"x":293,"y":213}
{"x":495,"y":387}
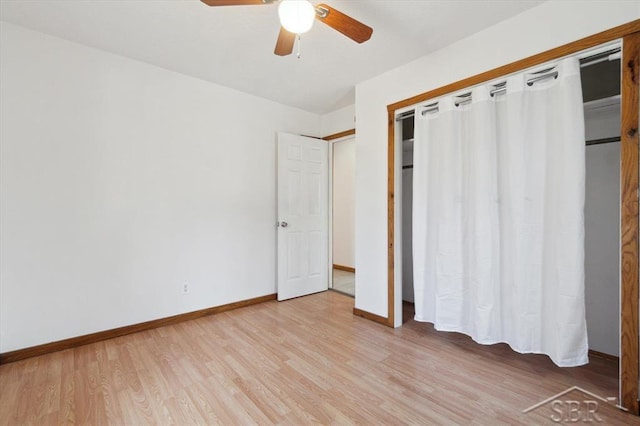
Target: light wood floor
{"x":307,"y":360}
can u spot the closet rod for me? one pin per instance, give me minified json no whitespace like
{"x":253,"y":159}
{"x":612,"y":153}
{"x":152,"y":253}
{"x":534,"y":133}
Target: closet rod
{"x":591,"y":142}
{"x":603,"y":140}
{"x":609,"y":55}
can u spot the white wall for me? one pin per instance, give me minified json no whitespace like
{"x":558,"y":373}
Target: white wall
{"x":602,"y":210}
{"x":536,"y":30}
{"x":120,"y":181}
{"x":338,"y":121}
{"x":344,"y":179}
{"x":602,"y":118}
{"x":602,"y":230}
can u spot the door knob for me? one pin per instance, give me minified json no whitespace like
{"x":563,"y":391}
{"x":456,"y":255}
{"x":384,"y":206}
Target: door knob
{"x":284,"y":224}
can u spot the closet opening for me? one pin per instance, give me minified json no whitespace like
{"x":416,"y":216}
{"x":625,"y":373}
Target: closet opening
{"x":406,"y":136}
{"x":601,"y":96}
{"x":628,"y":37}
{"x":601,"y":92}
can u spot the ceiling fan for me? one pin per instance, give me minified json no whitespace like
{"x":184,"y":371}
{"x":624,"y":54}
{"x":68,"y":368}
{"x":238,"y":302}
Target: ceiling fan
{"x":297,"y":16}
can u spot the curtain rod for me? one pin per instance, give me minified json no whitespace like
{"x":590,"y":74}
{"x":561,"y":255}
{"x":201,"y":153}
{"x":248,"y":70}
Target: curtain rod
{"x":609,"y":55}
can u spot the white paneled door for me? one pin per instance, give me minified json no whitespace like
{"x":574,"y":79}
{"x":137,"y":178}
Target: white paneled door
{"x":303,"y":215}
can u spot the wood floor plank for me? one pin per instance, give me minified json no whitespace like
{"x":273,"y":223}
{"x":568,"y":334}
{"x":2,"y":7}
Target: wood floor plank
{"x":224,"y":392}
{"x":303,"y":361}
{"x":210,"y":407}
{"x":9,"y":402}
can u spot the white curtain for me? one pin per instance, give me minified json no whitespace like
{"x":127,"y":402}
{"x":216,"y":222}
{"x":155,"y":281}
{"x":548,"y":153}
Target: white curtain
{"x":498,"y":216}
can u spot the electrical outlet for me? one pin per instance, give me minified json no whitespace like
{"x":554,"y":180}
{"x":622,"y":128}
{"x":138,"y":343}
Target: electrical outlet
{"x":185,"y":288}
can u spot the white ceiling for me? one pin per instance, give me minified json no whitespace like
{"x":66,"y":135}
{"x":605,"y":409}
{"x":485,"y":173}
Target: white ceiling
{"x":233,"y":46}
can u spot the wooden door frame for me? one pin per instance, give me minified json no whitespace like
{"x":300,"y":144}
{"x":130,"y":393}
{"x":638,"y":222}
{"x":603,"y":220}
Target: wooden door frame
{"x":629,"y":173}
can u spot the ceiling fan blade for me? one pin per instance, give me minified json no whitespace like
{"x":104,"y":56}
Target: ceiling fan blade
{"x":234,"y":2}
{"x":354,"y":29}
{"x":284,"y":45}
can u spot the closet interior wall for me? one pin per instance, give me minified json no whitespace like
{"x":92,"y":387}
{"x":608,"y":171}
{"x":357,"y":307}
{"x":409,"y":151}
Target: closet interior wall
{"x":601,"y":95}
{"x":601,"y":90}
{"x":407,"y":208}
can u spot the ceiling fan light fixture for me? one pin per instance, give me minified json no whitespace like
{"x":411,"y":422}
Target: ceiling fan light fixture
{"x":296,"y":16}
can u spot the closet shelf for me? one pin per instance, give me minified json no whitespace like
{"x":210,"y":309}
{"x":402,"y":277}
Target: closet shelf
{"x":602,"y":103}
